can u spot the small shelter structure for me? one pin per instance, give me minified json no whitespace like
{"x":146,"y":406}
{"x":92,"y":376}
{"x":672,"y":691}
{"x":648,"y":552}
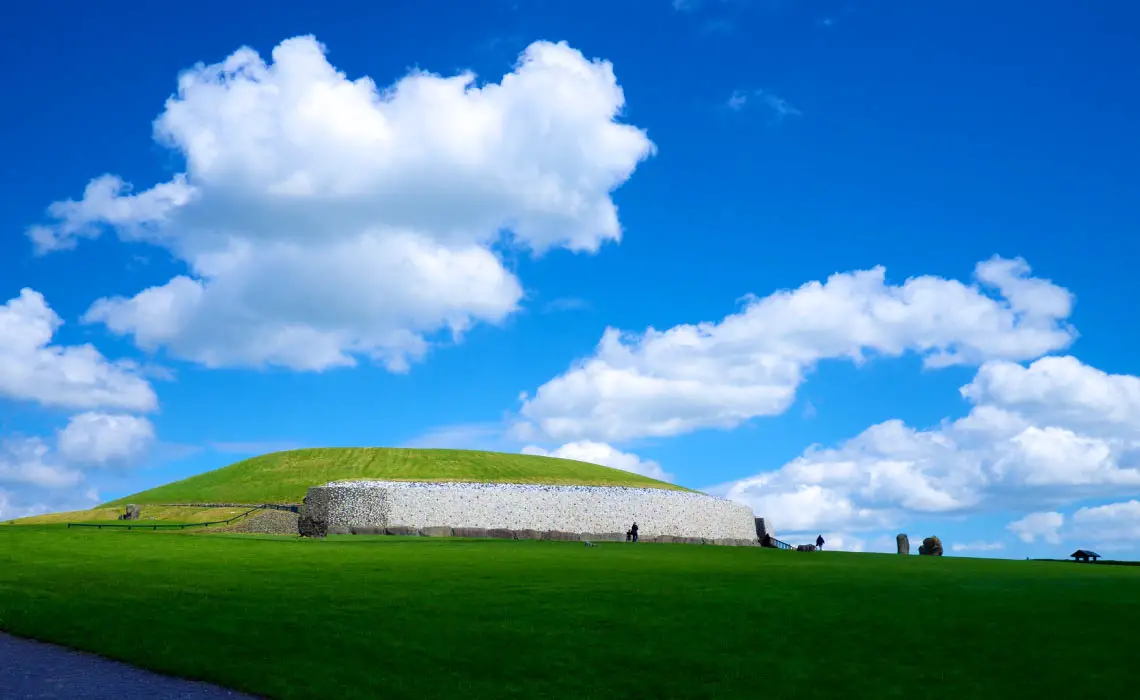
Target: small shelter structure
{"x":1084,"y":555}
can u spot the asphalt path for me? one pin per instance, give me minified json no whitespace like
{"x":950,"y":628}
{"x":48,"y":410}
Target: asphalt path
{"x":31,"y":670}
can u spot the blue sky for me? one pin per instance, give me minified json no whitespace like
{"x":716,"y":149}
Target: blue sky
{"x":327,"y":263}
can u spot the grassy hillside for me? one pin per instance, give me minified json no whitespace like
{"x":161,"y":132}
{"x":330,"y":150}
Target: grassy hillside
{"x":425,"y":618}
{"x":283,"y":477}
{"x":165,"y":514}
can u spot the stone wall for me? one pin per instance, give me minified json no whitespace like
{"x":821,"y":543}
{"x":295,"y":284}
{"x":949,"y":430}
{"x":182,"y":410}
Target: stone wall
{"x":606,"y":511}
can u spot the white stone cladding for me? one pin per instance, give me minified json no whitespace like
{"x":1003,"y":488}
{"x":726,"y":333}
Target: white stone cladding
{"x":578,"y":509}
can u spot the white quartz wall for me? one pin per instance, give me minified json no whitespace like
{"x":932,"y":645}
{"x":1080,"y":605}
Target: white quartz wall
{"x":578,"y":509}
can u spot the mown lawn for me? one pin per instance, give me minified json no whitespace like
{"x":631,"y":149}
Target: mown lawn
{"x":284,"y":477}
{"x":410,"y":618}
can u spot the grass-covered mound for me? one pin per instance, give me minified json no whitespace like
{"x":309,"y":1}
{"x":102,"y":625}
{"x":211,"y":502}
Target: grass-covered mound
{"x":284,"y":477}
{"x":358,"y":617}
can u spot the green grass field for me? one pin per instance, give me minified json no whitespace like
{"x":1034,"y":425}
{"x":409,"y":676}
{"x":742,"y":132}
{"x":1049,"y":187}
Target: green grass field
{"x":409,"y":618}
{"x":284,"y":477}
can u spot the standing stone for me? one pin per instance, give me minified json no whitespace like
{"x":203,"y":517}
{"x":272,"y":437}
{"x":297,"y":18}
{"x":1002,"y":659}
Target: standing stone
{"x":931,"y":547}
{"x":133,"y":512}
{"x":763,"y":528}
{"x":307,"y":526}
{"x":904,"y":543}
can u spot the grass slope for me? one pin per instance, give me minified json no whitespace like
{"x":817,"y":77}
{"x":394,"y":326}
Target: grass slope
{"x":284,"y":477}
{"x":411,"y":618}
{"x":165,"y":514}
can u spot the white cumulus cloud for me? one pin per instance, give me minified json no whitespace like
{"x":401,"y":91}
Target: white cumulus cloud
{"x":749,"y":364}
{"x":1028,"y":453}
{"x":1114,"y":524}
{"x":101,"y":438}
{"x":324,"y":218}
{"x":30,"y":462}
{"x":605,"y":455}
{"x":1044,"y":525}
{"x":78,"y":376}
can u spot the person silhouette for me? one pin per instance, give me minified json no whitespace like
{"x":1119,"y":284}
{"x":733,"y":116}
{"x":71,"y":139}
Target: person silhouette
{"x":819,"y":542}
{"x":633,"y":531}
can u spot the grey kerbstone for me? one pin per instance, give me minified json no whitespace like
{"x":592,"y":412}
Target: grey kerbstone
{"x":469,"y":531}
{"x":436,"y":531}
{"x":366,"y":530}
{"x":401,"y":531}
{"x":560,"y":536}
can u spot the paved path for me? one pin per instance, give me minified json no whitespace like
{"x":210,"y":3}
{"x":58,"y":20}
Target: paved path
{"x":36,"y":671}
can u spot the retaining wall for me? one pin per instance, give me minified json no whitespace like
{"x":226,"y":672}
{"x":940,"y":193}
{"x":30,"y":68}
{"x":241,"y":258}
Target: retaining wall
{"x":600,"y":512}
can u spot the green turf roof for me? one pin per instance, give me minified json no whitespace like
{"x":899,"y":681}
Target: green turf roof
{"x":284,"y":477}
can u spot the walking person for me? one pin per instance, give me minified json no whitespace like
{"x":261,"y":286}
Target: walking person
{"x":819,"y":543}
{"x":633,"y":531}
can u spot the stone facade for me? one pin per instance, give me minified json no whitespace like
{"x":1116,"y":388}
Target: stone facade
{"x":526,"y":511}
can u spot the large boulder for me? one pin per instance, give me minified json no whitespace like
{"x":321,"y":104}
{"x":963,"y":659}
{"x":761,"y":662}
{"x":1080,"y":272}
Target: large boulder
{"x":903,"y":543}
{"x":470,"y":531}
{"x":931,"y":547}
{"x":366,"y":530}
{"x":401,"y":531}
{"x":805,"y":548}
{"x":133,"y":512}
{"x":763,"y":528}
{"x":311,"y":527}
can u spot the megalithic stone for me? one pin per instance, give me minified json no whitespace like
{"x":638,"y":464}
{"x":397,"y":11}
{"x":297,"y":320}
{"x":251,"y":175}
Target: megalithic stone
{"x":762,"y":528}
{"x":904,"y":543}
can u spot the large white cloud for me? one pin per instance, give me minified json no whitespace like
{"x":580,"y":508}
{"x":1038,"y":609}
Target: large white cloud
{"x":605,"y":455}
{"x":1015,"y":449}
{"x":323,"y":218}
{"x":30,"y":462}
{"x":1115,"y":524}
{"x":105,"y":439}
{"x":1112,"y":525}
{"x":78,"y":376}
{"x":38,"y":475}
{"x":1044,"y":525}
{"x":718,"y":375}
{"x":1063,"y":391}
